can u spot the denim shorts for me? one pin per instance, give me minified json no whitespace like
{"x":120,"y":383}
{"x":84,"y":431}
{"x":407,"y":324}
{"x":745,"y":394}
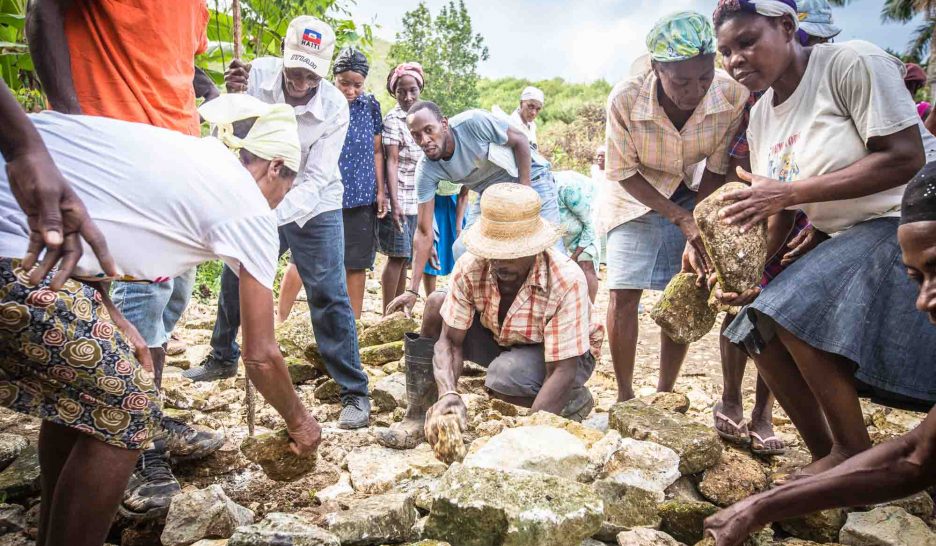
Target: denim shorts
{"x":646,"y":252}
{"x":851,"y":296}
{"x":392,"y":242}
{"x":154,"y":309}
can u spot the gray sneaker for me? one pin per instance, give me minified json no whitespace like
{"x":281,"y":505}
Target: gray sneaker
{"x":212,"y":369}
{"x":355,"y":412}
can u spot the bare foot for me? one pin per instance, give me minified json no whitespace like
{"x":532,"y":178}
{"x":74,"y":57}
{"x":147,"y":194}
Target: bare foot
{"x":730,"y":423}
{"x":624,"y":396}
{"x":830,"y":461}
{"x":763,"y":440}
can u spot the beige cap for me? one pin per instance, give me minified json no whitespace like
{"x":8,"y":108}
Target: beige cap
{"x":309,"y":44}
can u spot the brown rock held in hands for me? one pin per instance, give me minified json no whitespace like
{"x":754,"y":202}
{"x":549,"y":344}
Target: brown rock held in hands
{"x":739,"y":258}
{"x":683,"y":312}
{"x":273,"y":454}
{"x":450,"y":447}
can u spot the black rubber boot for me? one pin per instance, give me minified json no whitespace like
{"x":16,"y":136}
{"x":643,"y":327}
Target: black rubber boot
{"x":421,"y":394}
{"x":579,"y":405}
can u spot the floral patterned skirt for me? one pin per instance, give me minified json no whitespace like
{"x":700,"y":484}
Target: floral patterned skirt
{"x":63,"y":360}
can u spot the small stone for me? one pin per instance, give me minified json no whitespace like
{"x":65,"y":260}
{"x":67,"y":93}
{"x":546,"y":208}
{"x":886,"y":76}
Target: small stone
{"x":683,"y":312}
{"x":683,"y":520}
{"x":11,"y":445}
{"x":390,"y":392}
{"x":378,"y":355}
{"x":329,"y":392}
{"x":597,"y":421}
{"x":683,"y":490}
{"x":12,"y":518}
{"x":697,"y":445}
{"x":625,"y":507}
{"x":21,"y":479}
{"x":669,"y":401}
{"x":736,"y":477}
{"x":294,"y":335}
{"x":646,"y":465}
{"x":535,"y":448}
{"x":314,"y":357}
{"x":225,"y":460}
{"x":205,"y":513}
{"x":278,"y":529}
{"x":212,"y":542}
{"x":377,"y":469}
{"x":380,"y":519}
{"x":388,"y":329}
{"x":300,"y":370}
{"x":272,"y":452}
{"x":16,"y":539}
{"x":888,"y":526}
{"x":586,"y":434}
{"x":645,"y":537}
{"x":738,"y":257}
{"x":823,"y":526}
{"x":336,"y":490}
{"x":505,"y":408}
{"x":480,"y":506}
{"x":450,"y":446}
{"x":919,"y":505}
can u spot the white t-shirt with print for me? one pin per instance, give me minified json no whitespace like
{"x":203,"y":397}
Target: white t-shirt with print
{"x":164,"y":201}
{"x":851,"y":92}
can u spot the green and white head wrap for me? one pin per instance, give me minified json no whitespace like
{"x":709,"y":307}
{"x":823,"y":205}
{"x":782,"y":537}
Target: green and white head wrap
{"x":681,"y":36}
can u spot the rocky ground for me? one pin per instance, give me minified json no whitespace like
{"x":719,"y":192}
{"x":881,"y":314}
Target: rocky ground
{"x":642,"y":473}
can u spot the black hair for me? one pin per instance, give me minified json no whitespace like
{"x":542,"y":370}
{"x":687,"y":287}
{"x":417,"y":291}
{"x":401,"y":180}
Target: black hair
{"x":919,"y":199}
{"x":427,"y":105}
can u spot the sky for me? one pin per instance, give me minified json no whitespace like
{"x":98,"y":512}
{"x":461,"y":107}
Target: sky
{"x":585,"y":40}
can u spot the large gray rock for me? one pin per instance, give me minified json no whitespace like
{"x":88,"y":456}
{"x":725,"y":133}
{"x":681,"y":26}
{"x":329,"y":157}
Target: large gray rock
{"x":683,"y":312}
{"x":888,"y":526}
{"x":626,"y":461}
{"x":626,"y":507}
{"x":586,"y":434}
{"x":823,"y":526}
{"x":919,"y":505}
{"x":12,"y":518}
{"x":387,"y":330}
{"x":645,"y":537}
{"x":294,"y":335}
{"x":738,"y":257}
{"x":683,"y":520}
{"x":206,"y":513}
{"x":390,"y":392}
{"x":696,"y":444}
{"x":376,"y":469}
{"x":381,"y":519}
{"x":11,"y":445}
{"x":300,"y":370}
{"x":535,"y":448}
{"x":272,"y":452}
{"x":736,"y":477}
{"x":483,"y":506}
{"x":378,"y":355}
{"x":21,"y":479}
{"x":278,"y":529}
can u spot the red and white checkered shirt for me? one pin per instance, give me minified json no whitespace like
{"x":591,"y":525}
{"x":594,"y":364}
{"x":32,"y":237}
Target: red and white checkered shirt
{"x":552,"y":306}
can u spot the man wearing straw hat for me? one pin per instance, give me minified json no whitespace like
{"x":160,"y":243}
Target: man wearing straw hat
{"x":514,"y":306}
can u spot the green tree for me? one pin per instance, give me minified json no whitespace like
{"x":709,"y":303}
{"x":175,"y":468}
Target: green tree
{"x":904,"y":11}
{"x":449,"y":52}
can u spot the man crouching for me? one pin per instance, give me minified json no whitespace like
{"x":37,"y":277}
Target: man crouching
{"x":513,"y":306}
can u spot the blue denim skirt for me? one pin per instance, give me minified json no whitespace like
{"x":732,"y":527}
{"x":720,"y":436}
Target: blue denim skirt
{"x":646,"y":252}
{"x":851,"y":296}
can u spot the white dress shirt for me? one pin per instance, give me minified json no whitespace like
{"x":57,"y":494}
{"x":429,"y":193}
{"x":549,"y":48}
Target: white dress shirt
{"x":323,"y":125}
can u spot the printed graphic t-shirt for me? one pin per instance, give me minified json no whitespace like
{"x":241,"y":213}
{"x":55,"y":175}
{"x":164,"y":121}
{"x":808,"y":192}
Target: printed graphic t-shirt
{"x":164,"y":201}
{"x":851,"y":92}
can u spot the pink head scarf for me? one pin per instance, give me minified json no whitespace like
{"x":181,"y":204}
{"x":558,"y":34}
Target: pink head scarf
{"x":406,"y":69}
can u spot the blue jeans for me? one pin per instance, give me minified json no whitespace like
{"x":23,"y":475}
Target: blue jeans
{"x":318,"y":252}
{"x":545,"y":186}
{"x":154,"y":309}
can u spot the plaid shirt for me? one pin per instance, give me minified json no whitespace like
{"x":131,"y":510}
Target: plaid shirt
{"x":739,"y":147}
{"x":552,"y":306}
{"x":641,"y":139}
{"x":397,"y":133}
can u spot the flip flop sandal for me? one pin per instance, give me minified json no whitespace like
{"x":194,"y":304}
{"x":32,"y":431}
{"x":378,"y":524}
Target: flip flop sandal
{"x":763,"y":450}
{"x":739,"y":438}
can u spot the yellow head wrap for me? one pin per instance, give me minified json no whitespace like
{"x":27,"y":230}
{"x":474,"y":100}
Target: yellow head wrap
{"x":274,"y":135}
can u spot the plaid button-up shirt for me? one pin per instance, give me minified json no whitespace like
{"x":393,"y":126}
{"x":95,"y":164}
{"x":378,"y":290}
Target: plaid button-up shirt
{"x":641,"y":139}
{"x":397,"y":133}
{"x":552,"y":306}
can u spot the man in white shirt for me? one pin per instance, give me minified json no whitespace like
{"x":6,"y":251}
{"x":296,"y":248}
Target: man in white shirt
{"x":532,"y":101}
{"x":310,"y":215}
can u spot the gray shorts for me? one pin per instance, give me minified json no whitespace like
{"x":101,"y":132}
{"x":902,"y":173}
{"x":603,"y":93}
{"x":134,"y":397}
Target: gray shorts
{"x":515,"y":371}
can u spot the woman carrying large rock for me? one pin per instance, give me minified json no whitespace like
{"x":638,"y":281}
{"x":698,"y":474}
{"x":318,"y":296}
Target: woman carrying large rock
{"x":837,"y":136}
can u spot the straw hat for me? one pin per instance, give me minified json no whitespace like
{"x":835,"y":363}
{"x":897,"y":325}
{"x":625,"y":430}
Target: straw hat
{"x":510,"y":225}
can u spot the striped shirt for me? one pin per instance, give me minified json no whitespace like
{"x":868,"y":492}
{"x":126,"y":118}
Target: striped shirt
{"x":641,"y":139}
{"x":396,"y":133}
{"x":552,"y":306}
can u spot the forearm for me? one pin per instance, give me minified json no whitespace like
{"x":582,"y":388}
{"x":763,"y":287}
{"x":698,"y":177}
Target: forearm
{"x":642,"y":191}
{"x":524,"y":160}
{"x":379,"y":170}
{"x":461,"y":206}
{"x":267,"y":370}
{"x":874,"y":173}
{"x":447,"y":364}
{"x":48,"y":45}
{"x":392,"y":180}
{"x":422,"y":250}
{"x":18,"y":137}
{"x":554,"y":394}
{"x":888,"y":471}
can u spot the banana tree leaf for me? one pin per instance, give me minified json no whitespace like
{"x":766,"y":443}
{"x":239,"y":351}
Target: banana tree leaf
{"x":13,"y":48}
{"x":13,"y":20}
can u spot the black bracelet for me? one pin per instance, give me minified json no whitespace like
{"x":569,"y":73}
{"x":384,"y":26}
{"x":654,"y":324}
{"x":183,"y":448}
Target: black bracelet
{"x":413,"y":292}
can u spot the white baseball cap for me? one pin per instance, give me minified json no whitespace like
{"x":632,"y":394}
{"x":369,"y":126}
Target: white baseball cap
{"x":309,"y":44}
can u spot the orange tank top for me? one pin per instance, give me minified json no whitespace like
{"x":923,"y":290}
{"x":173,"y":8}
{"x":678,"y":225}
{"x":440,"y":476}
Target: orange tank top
{"x":134,"y":59}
